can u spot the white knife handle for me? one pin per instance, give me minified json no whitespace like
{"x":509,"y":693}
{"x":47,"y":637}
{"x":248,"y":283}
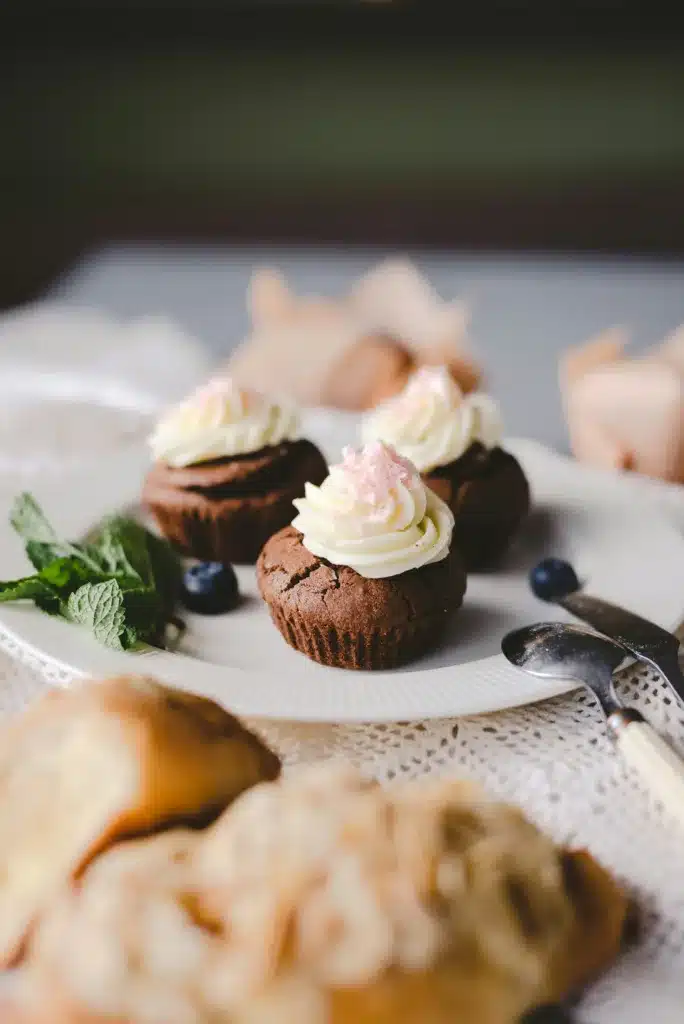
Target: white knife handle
{"x":657,"y":762}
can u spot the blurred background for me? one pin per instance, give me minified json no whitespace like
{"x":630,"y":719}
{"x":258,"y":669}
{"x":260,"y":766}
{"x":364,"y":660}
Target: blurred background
{"x":528,"y":126}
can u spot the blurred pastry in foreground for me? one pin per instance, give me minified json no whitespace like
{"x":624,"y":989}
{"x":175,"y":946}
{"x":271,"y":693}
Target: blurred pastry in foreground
{"x":325,"y":899}
{"x":455,"y":442}
{"x":350,"y":353}
{"x":86,"y":766}
{"x":229,"y":462}
{"x":627,"y":413}
{"x":366,"y":576}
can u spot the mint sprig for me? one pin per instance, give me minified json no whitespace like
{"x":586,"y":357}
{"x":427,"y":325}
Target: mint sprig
{"x":28,"y":520}
{"x":123,"y":585}
{"x":100,"y":607}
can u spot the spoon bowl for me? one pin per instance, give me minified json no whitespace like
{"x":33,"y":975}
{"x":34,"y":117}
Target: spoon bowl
{"x":559,"y":650}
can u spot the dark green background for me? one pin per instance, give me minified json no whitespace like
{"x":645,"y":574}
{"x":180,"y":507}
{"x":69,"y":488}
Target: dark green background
{"x":494,"y":128}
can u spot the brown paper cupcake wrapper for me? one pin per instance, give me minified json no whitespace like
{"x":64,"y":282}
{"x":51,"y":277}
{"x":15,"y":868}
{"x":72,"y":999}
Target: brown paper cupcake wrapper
{"x":489,"y":496}
{"x":229,"y":534}
{"x":226,"y":509}
{"x":379,"y":649}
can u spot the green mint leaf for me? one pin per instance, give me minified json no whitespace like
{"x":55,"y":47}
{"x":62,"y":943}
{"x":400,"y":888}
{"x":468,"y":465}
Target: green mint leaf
{"x":51,"y":603}
{"x":122,"y":547}
{"x":42,"y":553}
{"x":28,"y":520}
{"x":167,"y":571}
{"x":30,"y":588}
{"x":145,"y":614}
{"x":100,"y":607}
{"x":51,"y":587}
{"x":130,"y":549}
{"x":123,"y":586}
{"x":131,"y":637}
{"x":67,"y":574}
{"x":42,"y":543}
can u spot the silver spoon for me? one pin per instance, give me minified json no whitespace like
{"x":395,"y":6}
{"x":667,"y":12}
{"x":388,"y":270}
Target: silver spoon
{"x":556,"y":650}
{"x":555,"y":580}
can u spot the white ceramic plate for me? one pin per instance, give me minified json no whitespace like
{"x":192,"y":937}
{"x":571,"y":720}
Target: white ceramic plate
{"x":626,"y":549}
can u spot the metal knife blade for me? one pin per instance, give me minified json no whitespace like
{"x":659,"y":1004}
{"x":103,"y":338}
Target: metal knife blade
{"x":644,"y":639}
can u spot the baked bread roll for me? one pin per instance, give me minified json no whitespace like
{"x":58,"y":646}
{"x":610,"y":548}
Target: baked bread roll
{"x":86,"y":766}
{"x":324,"y":899}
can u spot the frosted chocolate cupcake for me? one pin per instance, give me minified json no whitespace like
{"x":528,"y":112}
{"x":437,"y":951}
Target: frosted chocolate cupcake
{"x":228,"y":464}
{"x":365,"y":577}
{"x":455,"y":442}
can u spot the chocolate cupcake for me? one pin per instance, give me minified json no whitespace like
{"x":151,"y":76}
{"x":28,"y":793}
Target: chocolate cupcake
{"x":365,"y":576}
{"x":228,"y":465}
{"x":454,"y":440}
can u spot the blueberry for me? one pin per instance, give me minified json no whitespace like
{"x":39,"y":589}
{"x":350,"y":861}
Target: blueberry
{"x":553,"y":578}
{"x":209,"y":588}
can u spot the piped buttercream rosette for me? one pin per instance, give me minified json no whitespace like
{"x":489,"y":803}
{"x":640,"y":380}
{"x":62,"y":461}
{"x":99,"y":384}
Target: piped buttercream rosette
{"x":221,"y":420}
{"x":374,"y":514}
{"x":431,"y":422}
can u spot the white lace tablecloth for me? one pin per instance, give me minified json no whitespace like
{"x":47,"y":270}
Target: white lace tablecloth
{"x":76,"y":386}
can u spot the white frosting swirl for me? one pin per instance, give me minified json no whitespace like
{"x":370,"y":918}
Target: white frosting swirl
{"x":431,"y":422}
{"x":221,"y":420}
{"x":374,"y":514}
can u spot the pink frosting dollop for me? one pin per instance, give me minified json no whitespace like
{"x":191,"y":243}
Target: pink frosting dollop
{"x":220,"y":387}
{"x":372,"y":472}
